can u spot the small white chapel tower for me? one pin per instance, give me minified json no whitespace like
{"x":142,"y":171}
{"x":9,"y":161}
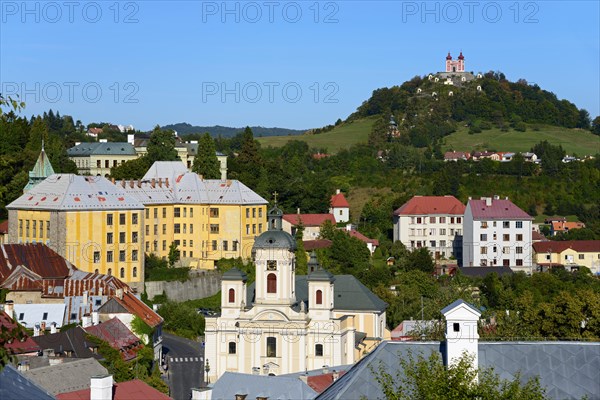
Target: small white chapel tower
{"x":461,"y":331}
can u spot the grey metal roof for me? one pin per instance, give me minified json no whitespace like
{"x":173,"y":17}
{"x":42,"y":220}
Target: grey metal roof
{"x":457,"y":303}
{"x":192,"y":148}
{"x":34,"y":314}
{"x":349,"y":294}
{"x":271,"y":387}
{"x":234,"y":274}
{"x":68,"y":192}
{"x":73,"y":340}
{"x":274,"y":239}
{"x":567,"y":370}
{"x":66,"y":377}
{"x":15,"y":386}
{"x":100,"y":148}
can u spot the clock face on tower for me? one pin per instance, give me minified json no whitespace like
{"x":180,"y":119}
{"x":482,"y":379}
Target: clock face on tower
{"x":271,"y":265}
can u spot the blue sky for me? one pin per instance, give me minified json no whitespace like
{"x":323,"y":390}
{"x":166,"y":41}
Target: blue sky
{"x":278,"y":63}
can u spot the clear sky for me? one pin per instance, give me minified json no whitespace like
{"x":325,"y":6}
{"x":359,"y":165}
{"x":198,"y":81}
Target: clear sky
{"x":278,"y":63}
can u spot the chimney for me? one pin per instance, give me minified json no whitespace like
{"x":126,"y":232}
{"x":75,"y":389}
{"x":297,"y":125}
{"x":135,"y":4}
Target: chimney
{"x":461,"y":332}
{"x":240,"y":396}
{"x":153,"y":183}
{"x":112,"y":180}
{"x":53,"y":327}
{"x":95,"y":318}
{"x":348,"y":227}
{"x":9,"y":308}
{"x":43,"y":326}
{"x":496,"y":197}
{"x":86,"y":321}
{"x":85,"y":297}
{"x":488,"y":201}
{"x":123,"y":183}
{"x":298,"y":210}
{"x":335,"y":375}
{"x":130,"y":138}
{"x":131,"y":184}
{"x":337,"y":191}
{"x":167,"y":182}
{"x":325,"y":369}
{"x":101,"y":387}
{"x":120,"y":294}
{"x":48,"y":353}
{"x":304,"y":378}
{"x":139,"y":183}
{"x":36,"y":330}
{"x":160,"y":182}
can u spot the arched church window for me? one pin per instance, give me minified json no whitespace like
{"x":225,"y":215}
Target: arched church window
{"x":232,"y":295}
{"x":271,"y":283}
{"x":319,"y":297}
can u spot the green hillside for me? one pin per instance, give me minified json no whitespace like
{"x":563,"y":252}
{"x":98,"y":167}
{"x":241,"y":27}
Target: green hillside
{"x":574,"y":141}
{"x":341,"y":137}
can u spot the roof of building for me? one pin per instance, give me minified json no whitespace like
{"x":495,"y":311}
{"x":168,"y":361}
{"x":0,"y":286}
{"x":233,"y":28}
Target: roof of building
{"x":558,"y":246}
{"x":426,"y":205}
{"x":310,"y":245}
{"x":254,"y":386}
{"x":536,"y":236}
{"x":456,"y":155}
{"x":319,"y":383}
{"x":192,"y":148}
{"x":567,"y":370}
{"x":72,"y":341}
{"x":457,"y":303}
{"x":130,"y":304}
{"x":20,"y":346}
{"x":309,"y":219}
{"x":483,"y":271}
{"x":566,"y":226}
{"x":37,"y":258}
{"x":361,"y":237}
{"x":275,"y":239}
{"x":15,"y":386}
{"x":117,"y":335}
{"x":339,"y":201}
{"x":67,"y":192}
{"x":168,"y":182}
{"x":349,"y":294}
{"x":66,"y":377}
{"x":130,"y":390}
{"x":41,"y":170}
{"x":234,"y":274}
{"x":102,"y":148}
{"x":34,"y":314}
{"x":500,"y":209}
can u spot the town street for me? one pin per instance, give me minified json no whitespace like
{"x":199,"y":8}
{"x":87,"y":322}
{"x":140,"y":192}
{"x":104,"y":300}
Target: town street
{"x":185,"y":359}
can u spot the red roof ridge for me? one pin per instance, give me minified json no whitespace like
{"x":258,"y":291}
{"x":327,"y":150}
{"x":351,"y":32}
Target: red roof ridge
{"x":137,"y":307}
{"x":425,"y":205}
{"x":339,"y":201}
{"x":309,"y":219}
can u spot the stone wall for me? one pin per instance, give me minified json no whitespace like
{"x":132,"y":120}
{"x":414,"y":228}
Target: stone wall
{"x":200,"y":286}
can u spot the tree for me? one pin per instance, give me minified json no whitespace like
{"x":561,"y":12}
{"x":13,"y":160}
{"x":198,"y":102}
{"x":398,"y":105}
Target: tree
{"x":300,"y":253}
{"x":419,"y":259}
{"x":248,"y":165}
{"x":420,"y":378}
{"x":596,"y":126}
{"x":173,"y":254}
{"x":205,"y":161}
{"x":161,"y":146}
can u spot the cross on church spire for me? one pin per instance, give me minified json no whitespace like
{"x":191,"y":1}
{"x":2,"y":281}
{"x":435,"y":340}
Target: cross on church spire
{"x":275,"y":196}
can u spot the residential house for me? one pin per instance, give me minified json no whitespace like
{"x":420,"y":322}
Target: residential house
{"x":15,"y":386}
{"x":496,"y":233}
{"x":372,"y":244}
{"x":334,"y":318}
{"x":530,"y":157}
{"x":97,"y":158}
{"x":91,"y":222}
{"x":434,"y":222}
{"x":207,"y":219}
{"x":457,"y":155}
{"x":94,"y":132}
{"x":339,"y":207}
{"x":506,"y":157}
{"x":125,"y":306}
{"x":118,"y":336}
{"x":71,"y":343}
{"x":570,"y":254}
{"x":480,"y":155}
{"x":103,"y":387}
{"x":566,"y":370}
{"x":564,"y":227}
{"x":311,"y":223}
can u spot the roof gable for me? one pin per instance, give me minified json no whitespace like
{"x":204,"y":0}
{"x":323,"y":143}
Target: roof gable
{"x":460,"y":309}
{"x":308,"y":219}
{"x":499,"y":209}
{"x":581,"y":246}
{"x":339,"y":201}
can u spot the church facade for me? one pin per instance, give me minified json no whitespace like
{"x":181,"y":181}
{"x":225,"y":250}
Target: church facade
{"x":284,"y":323}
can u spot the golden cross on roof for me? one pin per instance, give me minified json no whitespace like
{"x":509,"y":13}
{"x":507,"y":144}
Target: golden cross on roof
{"x":275,"y":196}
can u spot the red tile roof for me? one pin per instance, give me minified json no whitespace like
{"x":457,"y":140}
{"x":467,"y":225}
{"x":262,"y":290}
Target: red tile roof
{"x":500,"y":209}
{"x":360,"y":236}
{"x":137,"y":307}
{"x":456,"y":155}
{"x":339,"y":201}
{"x":117,"y":335}
{"x":556,"y":246}
{"x":321,"y":382}
{"x":18,"y":346}
{"x":426,"y":205}
{"x":309,"y":219}
{"x":130,"y":390}
{"x":536,"y":236}
{"x":3,"y":227}
{"x":38,"y":258}
{"x":561,"y":226}
{"x":310,"y":245}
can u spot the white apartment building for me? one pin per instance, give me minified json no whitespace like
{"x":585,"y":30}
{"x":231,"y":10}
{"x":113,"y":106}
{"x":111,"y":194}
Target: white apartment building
{"x":435,"y":222}
{"x":497,"y":233}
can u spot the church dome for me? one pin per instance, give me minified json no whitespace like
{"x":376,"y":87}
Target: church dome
{"x":461,"y":57}
{"x":448,"y":57}
{"x":275,"y":239}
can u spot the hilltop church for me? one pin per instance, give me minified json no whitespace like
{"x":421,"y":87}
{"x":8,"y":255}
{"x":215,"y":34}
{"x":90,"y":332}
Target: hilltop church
{"x":284,"y":323}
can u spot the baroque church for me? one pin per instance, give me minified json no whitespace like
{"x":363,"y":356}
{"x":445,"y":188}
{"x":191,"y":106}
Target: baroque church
{"x":284,"y":323}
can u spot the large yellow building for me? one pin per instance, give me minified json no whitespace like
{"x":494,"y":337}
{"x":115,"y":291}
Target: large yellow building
{"x":94,"y":224}
{"x":207,"y":219}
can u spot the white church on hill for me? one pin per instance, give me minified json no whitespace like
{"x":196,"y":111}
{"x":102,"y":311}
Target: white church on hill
{"x":284,"y":323}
